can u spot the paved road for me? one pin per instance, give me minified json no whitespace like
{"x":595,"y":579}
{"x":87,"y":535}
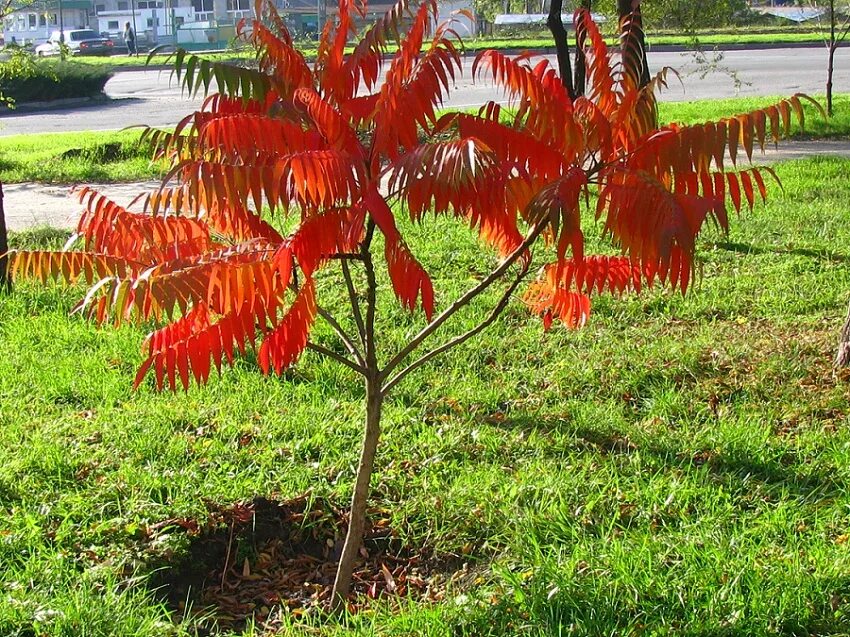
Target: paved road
{"x":145,"y":97}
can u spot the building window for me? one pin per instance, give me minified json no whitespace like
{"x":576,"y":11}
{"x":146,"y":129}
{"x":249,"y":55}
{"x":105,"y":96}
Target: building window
{"x":42,"y":20}
{"x":112,"y":25}
{"x":150,"y":22}
{"x":203,"y":5}
{"x":99,"y":8}
{"x":141,"y":5}
{"x":238,"y":5}
{"x":123,"y":6}
{"x":33,"y":20}
{"x":54,"y":19}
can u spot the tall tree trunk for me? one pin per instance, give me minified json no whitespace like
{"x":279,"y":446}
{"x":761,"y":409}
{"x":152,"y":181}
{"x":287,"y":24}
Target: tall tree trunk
{"x":632,"y":41}
{"x":580,"y":82}
{"x":562,"y":45}
{"x":5,"y":279}
{"x":842,"y":356}
{"x":357,"y":519}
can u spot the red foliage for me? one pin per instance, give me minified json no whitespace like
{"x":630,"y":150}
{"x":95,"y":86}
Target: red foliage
{"x":324,"y":141}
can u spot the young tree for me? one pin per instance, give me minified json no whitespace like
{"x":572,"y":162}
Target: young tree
{"x":348,"y":152}
{"x":835,"y":33}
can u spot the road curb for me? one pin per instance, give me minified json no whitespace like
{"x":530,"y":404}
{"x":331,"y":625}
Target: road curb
{"x":49,"y":105}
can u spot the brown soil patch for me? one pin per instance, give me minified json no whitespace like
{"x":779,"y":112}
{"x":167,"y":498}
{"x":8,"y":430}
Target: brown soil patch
{"x":264,"y":559}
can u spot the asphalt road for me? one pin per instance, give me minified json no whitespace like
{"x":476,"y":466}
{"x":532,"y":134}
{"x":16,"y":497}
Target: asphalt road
{"x":147,"y":96}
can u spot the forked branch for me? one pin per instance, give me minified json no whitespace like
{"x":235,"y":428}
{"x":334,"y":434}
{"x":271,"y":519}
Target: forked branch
{"x":463,"y":301}
{"x":342,"y":334}
{"x":462,"y":338}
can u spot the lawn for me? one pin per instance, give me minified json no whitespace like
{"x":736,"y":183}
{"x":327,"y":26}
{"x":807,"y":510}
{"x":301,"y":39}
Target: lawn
{"x":83,"y":157}
{"x":680,"y":466}
{"x":116,"y":156}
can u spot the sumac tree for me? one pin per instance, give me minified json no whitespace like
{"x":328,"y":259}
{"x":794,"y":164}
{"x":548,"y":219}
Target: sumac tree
{"x":350,"y":144}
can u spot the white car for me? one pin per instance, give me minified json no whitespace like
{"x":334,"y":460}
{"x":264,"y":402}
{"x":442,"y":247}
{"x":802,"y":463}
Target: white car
{"x":78,"y":41}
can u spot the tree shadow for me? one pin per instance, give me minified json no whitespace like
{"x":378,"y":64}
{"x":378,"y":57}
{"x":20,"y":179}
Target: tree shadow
{"x":731,"y":466}
{"x":254,"y":561}
{"x":746,"y":248}
{"x":104,"y":103}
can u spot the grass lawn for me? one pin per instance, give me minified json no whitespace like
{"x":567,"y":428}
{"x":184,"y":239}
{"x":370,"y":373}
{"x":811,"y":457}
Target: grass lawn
{"x":679,"y":467}
{"x":92,"y":157}
{"x":115,"y":156}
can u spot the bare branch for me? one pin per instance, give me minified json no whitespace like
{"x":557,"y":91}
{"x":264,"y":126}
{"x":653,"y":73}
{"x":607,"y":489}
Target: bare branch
{"x":343,"y":335}
{"x":337,"y":357}
{"x":346,"y":256}
{"x":355,"y":304}
{"x":463,"y":301}
{"x":494,"y":314}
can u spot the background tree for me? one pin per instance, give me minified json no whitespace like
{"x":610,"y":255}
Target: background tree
{"x":292,"y":142}
{"x":6,"y":7}
{"x":835,"y":25}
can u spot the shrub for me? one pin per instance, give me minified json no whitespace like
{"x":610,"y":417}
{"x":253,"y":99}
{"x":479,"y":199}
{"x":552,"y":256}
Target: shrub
{"x":26,"y":79}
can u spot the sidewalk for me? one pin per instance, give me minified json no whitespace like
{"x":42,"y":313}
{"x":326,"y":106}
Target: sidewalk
{"x":32,"y":205}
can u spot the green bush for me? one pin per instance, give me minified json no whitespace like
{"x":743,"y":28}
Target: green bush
{"x":26,"y":79}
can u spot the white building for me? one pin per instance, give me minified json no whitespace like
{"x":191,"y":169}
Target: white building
{"x":33,"y":24}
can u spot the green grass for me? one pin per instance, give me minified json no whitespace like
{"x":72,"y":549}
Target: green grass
{"x":38,"y":158}
{"x":679,"y":467}
{"x":105,"y":157}
{"x":816,"y":127}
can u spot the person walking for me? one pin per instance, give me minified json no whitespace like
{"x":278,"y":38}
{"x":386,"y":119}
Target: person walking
{"x":130,"y":39}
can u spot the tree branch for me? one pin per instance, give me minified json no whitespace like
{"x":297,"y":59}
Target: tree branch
{"x":346,"y":256}
{"x":339,"y":358}
{"x":494,"y":314}
{"x":463,"y":301}
{"x":343,"y":336}
{"x":355,"y":304}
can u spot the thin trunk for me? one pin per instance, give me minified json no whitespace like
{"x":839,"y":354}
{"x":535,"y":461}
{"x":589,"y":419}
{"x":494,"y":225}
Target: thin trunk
{"x":829,"y":72}
{"x":562,"y":45}
{"x":632,"y":40}
{"x":371,"y":436}
{"x":5,"y":279}
{"x":357,"y":519}
{"x":830,"y":67}
{"x":580,"y":83}
{"x":842,"y":357}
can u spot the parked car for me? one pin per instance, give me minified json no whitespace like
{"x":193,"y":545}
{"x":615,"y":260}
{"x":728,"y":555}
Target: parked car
{"x":78,"y":41}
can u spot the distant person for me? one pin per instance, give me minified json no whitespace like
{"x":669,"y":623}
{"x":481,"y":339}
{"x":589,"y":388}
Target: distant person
{"x":130,"y":39}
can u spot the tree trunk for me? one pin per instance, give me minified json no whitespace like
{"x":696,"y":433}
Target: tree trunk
{"x":580,"y":82}
{"x":562,"y":46}
{"x":5,"y":279}
{"x":842,"y":357}
{"x":357,"y":520}
{"x":829,"y":72}
{"x":830,"y":67}
{"x":632,"y":40}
